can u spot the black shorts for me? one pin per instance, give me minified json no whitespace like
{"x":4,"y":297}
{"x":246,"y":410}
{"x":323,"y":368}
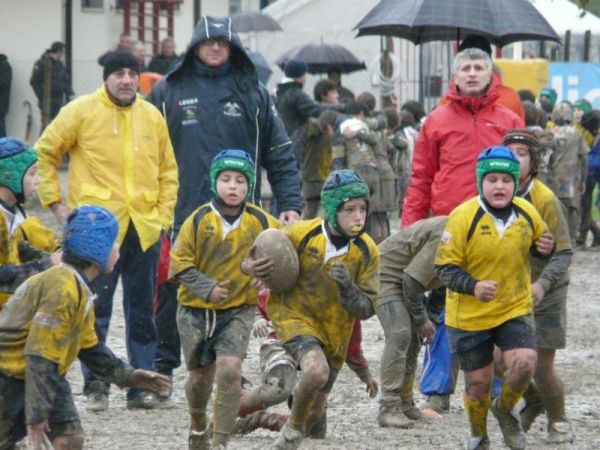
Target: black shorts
{"x":206,"y":334}
{"x":475,"y":349}
{"x":299,"y":346}
{"x":63,"y":419}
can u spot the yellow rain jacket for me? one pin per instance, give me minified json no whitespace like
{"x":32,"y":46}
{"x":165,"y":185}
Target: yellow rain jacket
{"x":120,"y":158}
{"x":51,"y":315}
{"x":472,"y":242}
{"x":31,"y":230}
{"x":312,"y":308}
{"x":216,"y":249}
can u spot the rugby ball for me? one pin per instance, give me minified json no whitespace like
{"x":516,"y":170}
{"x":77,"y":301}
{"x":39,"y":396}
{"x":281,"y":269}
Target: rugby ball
{"x":275,"y":244}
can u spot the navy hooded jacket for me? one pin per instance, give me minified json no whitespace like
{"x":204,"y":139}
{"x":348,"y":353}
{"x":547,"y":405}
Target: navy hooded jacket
{"x":211,"y":109}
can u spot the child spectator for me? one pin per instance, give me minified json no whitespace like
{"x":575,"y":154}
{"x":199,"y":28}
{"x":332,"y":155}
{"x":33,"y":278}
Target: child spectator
{"x":489,"y":302}
{"x":216,"y":302}
{"x":338,"y":284}
{"x":24,"y":241}
{"x":49,"y":322}
{"x":569,"y":164}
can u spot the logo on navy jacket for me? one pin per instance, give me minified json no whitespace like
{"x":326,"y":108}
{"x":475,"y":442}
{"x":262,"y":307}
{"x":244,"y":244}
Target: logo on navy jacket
{"x":232,"y":109}
{"x":189,"y":107}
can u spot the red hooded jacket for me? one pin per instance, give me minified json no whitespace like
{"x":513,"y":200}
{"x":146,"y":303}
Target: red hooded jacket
{"x":446,"y":151}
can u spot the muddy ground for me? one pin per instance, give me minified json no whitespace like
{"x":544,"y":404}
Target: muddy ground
{"x":351,"y":414}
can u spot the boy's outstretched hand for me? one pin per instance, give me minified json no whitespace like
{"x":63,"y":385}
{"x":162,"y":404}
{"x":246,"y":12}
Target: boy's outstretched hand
{"x":372,"y":387}
{"x":150,"y":381}
{"x":38,"y":437}
{"x":545,"y":244}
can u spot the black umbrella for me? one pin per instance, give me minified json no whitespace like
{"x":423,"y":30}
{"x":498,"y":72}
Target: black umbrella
{"x":500,"y":21}
{"x":323,"y":57}
{"x":246,"y":21}
{"x":261,"y":64}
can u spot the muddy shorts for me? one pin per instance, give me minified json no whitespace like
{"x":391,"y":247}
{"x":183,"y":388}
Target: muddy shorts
{"x":206,"y":333}
{"x":272,"y":354}
{"x":300,"y":346}
{"x":63,"y":419}
{"x":475,"y":349}
{"x":551,"y":319}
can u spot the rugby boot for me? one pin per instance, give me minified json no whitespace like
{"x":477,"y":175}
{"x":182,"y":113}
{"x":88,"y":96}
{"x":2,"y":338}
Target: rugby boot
{"x":440,"y":403}
{"x":477,"y":443}
{"x":288,"y":439}
{"x":393,"y":417}
{"x":559,"y":433}
{"x":198,"y":440}
{"x":411,"y":411}
{"x":510,"y":425}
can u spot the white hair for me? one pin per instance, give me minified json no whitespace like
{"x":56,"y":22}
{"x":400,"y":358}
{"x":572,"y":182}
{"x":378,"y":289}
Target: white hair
{"x":471,"y":54}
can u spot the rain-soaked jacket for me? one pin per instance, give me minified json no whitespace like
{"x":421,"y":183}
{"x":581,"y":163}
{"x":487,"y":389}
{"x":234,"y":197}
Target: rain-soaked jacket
{"x":212,"y":109}
{"x":120,"y":157}
{"x":447,"y":148}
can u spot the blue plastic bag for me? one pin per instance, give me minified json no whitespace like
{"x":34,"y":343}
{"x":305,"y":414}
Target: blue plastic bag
{"x":437,"y":363}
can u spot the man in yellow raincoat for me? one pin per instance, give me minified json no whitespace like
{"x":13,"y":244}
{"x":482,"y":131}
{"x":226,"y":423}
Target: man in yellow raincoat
{"x":121,"y":158}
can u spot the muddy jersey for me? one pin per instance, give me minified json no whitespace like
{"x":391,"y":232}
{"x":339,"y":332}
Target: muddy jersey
{"x":22,"y":228}
{"x":216,"y":248}
{"x":551,"y":211}
{"x":311,"y":307}
{"x":410,"y":250}
{"x":51,"y":315}
{"x":476,"y":242}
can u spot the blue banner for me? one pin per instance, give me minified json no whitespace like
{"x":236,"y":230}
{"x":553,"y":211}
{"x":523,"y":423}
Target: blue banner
{"x":573,"y":81}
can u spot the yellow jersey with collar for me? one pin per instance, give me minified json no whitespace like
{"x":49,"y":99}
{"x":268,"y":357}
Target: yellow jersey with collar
{"x":51,"y":315}
{"x":473,"y":242}
{"x":30,"y":229}
{"x":207,"y":243}
{"x":311,"y":307}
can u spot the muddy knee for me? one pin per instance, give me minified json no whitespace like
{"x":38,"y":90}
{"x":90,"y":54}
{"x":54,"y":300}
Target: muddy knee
{"x":279,"y":383}
{"x":70,"y":442}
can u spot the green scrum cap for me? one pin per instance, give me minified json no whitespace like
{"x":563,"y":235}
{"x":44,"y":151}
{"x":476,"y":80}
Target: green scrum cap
{"x":236,"y":160}
{"x":497,"y":159}
{"x":16,"y":157}
{"x":340,"y":187}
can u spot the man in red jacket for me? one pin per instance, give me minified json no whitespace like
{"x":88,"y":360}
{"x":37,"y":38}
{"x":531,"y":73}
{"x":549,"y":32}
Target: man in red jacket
{"x":453,"y":135}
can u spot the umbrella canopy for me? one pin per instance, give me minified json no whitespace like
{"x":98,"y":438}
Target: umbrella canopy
{"x":323,"y":57}
{"x":262,"y":66}
{"x":246,"y":21}
{"x":500,"y":21}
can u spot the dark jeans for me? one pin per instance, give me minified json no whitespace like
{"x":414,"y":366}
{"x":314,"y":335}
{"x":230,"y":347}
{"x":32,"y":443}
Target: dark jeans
{"x":2,"y":127}
{"x":137,"y":269}
{"x":168,"y":353}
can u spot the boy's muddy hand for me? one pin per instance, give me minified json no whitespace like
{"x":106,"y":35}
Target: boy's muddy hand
{"x":150,"y":381}
{"x":38,"y":437}
{"x":372,"y":387}
{"x":258,"y":268}
{"x":426,"y":331}
{"x":260,"y":328}
{"x":545,"y":244}
{"x":340,"y":275}
{"x":219,"y":293}
{"x":537,"y":292}
{"x":485,"y":290}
